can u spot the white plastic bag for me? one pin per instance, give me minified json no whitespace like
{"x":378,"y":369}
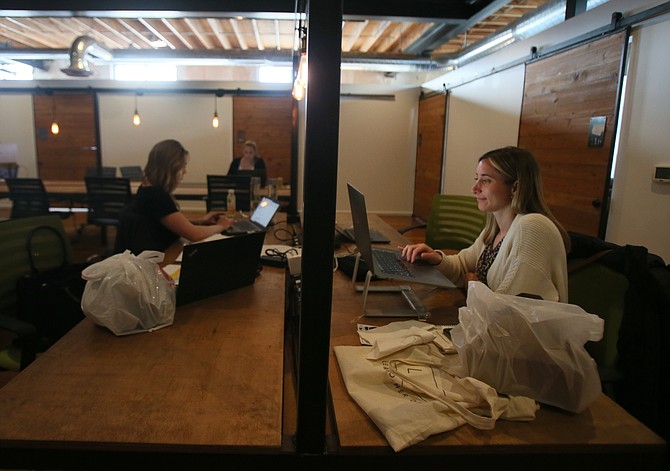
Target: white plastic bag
{"x":528,"y":347}
{"x":129,"y":294}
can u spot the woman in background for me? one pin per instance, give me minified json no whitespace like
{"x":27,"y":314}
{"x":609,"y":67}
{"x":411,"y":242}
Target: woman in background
{"x":153,"y":221}
{"x":249,"y":164}
{"x":522,"y":249}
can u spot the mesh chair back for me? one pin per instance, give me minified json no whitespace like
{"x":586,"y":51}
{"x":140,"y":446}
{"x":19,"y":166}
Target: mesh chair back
{"x":29,"y":197}
{"x":454,"y":222}
{"x":217,"y":191}
{"x":106,"y":198}
{"x":132,"y":172}
{"x":101,"y":172}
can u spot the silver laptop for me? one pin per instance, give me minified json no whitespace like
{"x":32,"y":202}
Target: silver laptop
{"x":259,"y":221}
{"x":387,"y":263}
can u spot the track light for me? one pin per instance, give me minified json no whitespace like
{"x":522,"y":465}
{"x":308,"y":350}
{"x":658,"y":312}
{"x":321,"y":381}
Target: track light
{"x":136,"y":116}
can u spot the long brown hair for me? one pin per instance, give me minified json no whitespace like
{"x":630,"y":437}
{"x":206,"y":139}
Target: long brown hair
{"x":520,"y":165}
{"x":166,"y":160}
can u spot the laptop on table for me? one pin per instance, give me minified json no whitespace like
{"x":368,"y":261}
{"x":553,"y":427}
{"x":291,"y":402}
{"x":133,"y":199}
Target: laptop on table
{"x":215,"y":267}
{"x":387,"y":263}
{"x":258,"y":222}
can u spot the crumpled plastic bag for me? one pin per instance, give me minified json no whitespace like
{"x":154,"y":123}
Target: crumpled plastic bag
{"x":528,"y":347}
{"x":129,"y":293}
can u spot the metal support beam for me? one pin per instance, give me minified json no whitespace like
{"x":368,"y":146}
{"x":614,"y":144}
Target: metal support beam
{"x":324,"y":39}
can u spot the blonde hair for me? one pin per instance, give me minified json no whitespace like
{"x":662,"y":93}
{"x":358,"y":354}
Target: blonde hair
{"x":166,"y":160}
{"x":252,"y":144}
{"x":520,"y":166}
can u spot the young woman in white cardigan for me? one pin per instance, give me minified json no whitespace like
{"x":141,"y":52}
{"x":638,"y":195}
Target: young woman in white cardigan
{"x":522,"y":249}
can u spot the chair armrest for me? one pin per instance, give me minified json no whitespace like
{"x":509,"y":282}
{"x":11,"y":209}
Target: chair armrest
{"x":411,"y":228}
{"x":16,"y":326}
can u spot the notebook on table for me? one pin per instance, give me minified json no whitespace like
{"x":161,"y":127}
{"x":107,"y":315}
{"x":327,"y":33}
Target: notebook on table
{"x":387,"y":263}
{"x":259,"y":221}
{"x":211,"y":268}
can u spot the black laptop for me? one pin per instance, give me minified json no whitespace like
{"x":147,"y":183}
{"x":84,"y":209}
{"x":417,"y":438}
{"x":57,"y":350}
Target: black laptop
{"x":259,"y":221}
{"x":376,"y":237}
{"x":214,"y":267}
{"x":387,"y":263}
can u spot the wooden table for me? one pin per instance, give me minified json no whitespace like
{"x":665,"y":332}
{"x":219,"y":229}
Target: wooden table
{"x":75,"y":190}
{"x":209,"y":385}
{"x":604,"y":435}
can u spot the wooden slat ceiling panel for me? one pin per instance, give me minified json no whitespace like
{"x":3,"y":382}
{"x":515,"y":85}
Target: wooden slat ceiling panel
{"x":378,"y":37}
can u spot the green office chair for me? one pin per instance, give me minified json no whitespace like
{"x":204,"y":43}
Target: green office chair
{"x":454,"y":222}
{"x":600,"y":290}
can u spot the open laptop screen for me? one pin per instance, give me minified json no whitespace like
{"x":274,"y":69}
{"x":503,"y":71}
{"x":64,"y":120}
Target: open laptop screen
{"x":265,"y":211}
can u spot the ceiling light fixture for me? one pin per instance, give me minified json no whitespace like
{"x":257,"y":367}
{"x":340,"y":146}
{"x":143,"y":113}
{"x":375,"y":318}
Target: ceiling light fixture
{"x":55,"y":129}
{"x":300,"y":83}
{"x":136,"y":116}
{"x":215,"y":119}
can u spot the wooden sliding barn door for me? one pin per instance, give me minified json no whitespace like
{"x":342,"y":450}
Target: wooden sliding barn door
{"x":268,"y":121}
{"x":429,"y":153}
{"x":66,"y":155}
{"x":567,"y":96}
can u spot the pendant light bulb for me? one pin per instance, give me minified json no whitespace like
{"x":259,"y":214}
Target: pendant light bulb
{"x":215,"y":119}
{"x":136,"y":116}
{"x":55,"y":129}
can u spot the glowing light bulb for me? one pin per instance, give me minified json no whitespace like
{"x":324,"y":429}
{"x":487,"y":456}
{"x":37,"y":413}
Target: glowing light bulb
{"x":55,"y":129}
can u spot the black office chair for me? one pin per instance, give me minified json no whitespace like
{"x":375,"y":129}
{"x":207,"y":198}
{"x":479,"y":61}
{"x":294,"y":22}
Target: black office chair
{"x":30,"y":198}
{"x":217,"y":192}
{"x":106,"y":198}
{"x":101,"y":172}
{"x":132,"y":172}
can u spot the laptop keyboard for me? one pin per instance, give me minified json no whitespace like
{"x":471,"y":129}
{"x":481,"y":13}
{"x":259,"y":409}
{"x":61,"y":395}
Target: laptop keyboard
{"x":245,"y":225}
{"x":390,"y":263}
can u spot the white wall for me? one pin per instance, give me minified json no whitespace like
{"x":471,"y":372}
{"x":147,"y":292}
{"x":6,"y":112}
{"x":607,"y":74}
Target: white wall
{"x":483,"y":100}
{"x":640,"y":212}
{"x":483,"y":115}
{"x":186,"y":118}
{"x":378,"y":151}
{"x":17,"y":126}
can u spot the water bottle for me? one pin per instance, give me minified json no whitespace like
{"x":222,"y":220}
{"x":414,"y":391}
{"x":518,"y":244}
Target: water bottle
{"x":230,"y":204}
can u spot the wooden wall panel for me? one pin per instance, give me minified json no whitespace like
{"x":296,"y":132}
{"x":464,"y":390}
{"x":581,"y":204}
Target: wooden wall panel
{"x":429,"y":153}
{"x":65,"y":156}
{"x":268,"y":121}
{"x":561,"y":94}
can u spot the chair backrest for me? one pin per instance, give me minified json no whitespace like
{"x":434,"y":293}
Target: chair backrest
{"x":454,"y":222}
{"x":14,"y":259}
{"x":101,"y":172}
{"x":106,"y":198}
{"x":600,"y":290}
{"x":29,"y":197}
{"x":217,"y":191}
{"x":132,"y":172}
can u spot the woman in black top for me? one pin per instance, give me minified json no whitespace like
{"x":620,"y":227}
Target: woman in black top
{"x":153,"y":220}
{"x":249,"y":164}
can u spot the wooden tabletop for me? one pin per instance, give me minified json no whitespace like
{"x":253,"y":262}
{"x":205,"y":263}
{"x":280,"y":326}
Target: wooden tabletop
{"x":604,"y":427}
{"x":75,"y":189}
{"x":213,"y":381}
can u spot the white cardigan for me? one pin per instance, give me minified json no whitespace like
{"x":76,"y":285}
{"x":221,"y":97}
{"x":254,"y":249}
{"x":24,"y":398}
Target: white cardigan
{"x":531,"y":260}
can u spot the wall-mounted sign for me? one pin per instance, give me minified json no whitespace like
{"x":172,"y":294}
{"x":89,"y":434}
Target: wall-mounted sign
{"x":597,"y":131}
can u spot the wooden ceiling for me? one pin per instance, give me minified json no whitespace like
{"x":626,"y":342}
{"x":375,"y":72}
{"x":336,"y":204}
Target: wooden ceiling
{"x":430,"y":30}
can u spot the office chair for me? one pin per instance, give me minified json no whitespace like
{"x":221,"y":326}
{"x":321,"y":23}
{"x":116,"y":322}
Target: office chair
{"x":600,"y":290}
{"x":101,"y":172}
{"x":106,"y":198}
{"x":132,"y":172}
{"x":30,"y":198}
{"x":15,"y":264}
{"x":454,"y":222}
{"x":217,"y":191}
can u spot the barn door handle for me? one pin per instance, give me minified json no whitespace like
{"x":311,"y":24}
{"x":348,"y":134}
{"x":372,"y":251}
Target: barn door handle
{"x":596,"y":203}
